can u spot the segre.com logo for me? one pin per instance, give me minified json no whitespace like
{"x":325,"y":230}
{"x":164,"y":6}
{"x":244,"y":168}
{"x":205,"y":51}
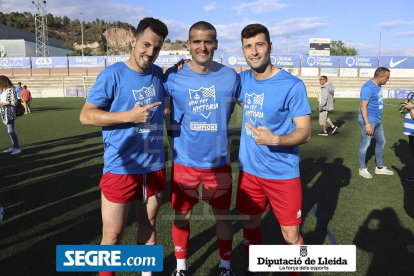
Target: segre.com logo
{"x":109,"y":258}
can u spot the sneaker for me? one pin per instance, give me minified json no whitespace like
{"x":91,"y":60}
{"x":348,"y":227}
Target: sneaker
{"x":334,"y":130}
{"x":16,"y":151}
{"x":1,"y":213}
{"x":180,"y":273}
{"x":222,"y":271}
{"x":409,"y":178}
{"x":410,"y":248}
{"x":365,"y":173}
{"x":9,"y":150}
{"x":384,"y":170}
{"x":323,"y":133}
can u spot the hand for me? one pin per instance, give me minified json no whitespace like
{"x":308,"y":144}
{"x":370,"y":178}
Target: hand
{"x":263,"y":135}
{"x":179,"y":65}
{"x":319,"y":108}
{"x":368,"y":130}
{"x":139,"y":114}
{"x":408,"y":105}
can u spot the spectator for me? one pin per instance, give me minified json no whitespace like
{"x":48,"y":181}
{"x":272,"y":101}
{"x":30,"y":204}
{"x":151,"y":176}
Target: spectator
{"x":370,"y":111}
{"x":8,"y":112}
{"x":326,"y":104}
{"x":19,"y":90}
{"x":26,"y":98}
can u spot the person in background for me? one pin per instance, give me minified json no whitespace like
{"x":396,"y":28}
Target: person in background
{"x":326,"y":104}
{"x":19,"y":89}
{"x":370,"y":111}
{"x":8,"y":104}
{"x":26,"y":97}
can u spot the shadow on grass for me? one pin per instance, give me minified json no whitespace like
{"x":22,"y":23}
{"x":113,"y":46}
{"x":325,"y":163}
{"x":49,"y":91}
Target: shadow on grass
{"x":51,"y":196}
{"x":322,"y":197}
{"x":386,"y":239}
{"x":402,"y":151}
{"x":50,"y":108}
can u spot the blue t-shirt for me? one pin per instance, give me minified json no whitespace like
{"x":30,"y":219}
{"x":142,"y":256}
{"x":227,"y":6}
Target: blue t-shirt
{"x":201,"y":109}
{"x":18,"y":92}
{"x":373,"y":94}
{"x":272,"y":103}
{"x":131,"y":148}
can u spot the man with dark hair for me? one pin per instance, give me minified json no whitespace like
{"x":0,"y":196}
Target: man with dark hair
{"x":203,"y":93}
{"x":275,"y":122}
{"x":370,"y":111}
{"x":326,"y":104}
{"x":126,"y":101}
{"x":19,"y":89}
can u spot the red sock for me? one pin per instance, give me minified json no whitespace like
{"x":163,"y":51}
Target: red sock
{"x":107,"y":273}
{"x":297,"y":273}
{"x":251,"y":237}
{"x":180,"y":237}
{"x":225,"y":247}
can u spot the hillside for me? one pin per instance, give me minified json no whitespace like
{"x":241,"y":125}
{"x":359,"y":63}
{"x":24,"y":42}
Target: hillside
{"x":98,"y":35}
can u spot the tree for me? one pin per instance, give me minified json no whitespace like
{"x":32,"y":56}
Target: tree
{"x":338,"y":49}
{"x":168,"y":41}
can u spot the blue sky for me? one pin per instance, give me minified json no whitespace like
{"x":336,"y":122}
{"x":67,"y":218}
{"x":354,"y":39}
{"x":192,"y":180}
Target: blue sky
{"x":356,"y":22}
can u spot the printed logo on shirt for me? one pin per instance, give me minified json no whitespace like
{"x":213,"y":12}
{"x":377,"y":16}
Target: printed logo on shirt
{"x":203,"y":101}
{"x":253,"y":109}
{"x":146,"y":96}
{"x":380,"y":100}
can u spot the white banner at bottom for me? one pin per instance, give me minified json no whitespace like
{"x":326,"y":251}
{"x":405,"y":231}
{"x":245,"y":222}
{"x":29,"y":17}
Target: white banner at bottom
{"x":311,"y":258}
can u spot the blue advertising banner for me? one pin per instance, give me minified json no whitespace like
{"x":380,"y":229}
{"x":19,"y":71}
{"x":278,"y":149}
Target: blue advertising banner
{"x":320,"y":61}
{"x":110,"y":60}
{"x":86,"y":62}
{"x":49,"y":62}
{"x":109,"y":258}
{"x":285,"y":60}
{"x":167,"y":60}
{"x":234,"y":60}
{"x":399,"y":93}
{"x":359,"y":62}
{"x":397,"y":62}
{"x":15,"y":63}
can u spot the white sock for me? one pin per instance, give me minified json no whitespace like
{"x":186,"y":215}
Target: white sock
{"x":146,"y":273}
{"x":181,"y":264}
{"x":225,"y":264}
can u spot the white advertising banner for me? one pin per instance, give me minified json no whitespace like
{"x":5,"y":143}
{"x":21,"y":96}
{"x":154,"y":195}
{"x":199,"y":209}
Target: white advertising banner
{"x":309,"y":72}
{"x":311,"y":258}
{"x":366,"y":72}
{"x":348,"y":72}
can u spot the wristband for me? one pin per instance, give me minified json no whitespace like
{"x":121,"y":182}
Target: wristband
{"x":368,"y":125}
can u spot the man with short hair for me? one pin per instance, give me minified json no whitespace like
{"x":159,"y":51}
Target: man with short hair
{"x":126,"y":101}
{"x":26,"y":98}
{"x":275,"y":122}
{"x":370,"y":111}
{"x":326,"y":104}
{"x":19,"y":89}
{"x":203,"y":93}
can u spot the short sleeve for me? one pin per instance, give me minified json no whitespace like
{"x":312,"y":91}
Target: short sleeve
{"x":102,"y":92}
{"x":297,"y":101}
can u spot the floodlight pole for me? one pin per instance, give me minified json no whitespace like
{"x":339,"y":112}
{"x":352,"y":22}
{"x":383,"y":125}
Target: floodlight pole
{"x":82,"y":29}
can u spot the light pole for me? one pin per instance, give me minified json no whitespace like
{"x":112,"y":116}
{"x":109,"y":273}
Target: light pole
{"x":288,"y":38}
{"x":82,"y":29}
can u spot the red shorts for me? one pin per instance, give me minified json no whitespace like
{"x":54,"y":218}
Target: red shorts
{"x":256,"y":194}
{"x":122,"y":188}
{"x":185,"y":183}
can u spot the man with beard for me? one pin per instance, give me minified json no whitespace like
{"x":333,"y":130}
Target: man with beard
{"x":126,"y":101}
